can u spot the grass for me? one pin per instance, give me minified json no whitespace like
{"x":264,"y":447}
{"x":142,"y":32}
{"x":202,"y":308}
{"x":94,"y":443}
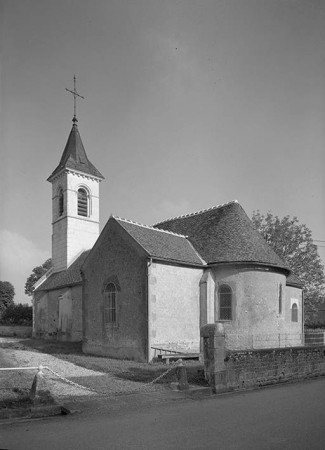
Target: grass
{"x":15,"y":398}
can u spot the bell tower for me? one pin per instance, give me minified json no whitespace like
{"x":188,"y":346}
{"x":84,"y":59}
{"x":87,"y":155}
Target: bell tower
{"x":75,"y":201}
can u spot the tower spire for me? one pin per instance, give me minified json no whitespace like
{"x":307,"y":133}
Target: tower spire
{"x":75,"y":95}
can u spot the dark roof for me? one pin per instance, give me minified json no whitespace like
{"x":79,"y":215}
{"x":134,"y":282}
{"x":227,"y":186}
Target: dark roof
{"x":224,"y":234}
{"x":74,"y":157}
{"x":162,"y":244}
{"x":293,"y":280}
{"x":68,"y":277}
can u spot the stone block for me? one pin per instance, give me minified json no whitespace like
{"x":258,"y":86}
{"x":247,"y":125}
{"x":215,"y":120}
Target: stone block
{"x":40,"y":393}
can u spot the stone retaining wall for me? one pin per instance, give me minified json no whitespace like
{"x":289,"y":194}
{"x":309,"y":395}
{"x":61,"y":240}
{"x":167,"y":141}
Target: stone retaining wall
{"x":246,"y":369}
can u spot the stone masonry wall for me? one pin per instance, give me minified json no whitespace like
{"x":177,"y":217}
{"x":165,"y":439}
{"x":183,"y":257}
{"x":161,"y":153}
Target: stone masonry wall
{"x":115,"y":260}
{"x":256,"y":368}
{"x":58,"y":315}
{"x":246,"y":369}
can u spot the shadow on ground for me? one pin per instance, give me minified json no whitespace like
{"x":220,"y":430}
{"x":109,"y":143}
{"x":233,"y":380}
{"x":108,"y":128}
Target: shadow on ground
{"x":48,"y":347}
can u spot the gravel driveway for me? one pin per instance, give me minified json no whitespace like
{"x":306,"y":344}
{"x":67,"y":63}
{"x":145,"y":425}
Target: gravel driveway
{"x":102,"y":376}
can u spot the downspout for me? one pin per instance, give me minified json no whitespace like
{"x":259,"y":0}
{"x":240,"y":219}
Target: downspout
{"x":303,"y":313}
{"x":149,"y":263}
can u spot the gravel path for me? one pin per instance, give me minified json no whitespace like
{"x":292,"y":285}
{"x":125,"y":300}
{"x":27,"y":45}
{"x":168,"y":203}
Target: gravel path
{"x":111,"y":377}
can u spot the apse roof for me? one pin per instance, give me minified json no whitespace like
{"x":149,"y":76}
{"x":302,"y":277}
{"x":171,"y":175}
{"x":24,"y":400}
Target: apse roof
{"x":293,"y":280}
{"x":224,"y":234}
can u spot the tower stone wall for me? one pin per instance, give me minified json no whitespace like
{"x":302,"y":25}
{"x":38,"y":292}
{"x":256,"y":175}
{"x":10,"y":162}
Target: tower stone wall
{"x":73,"y":233}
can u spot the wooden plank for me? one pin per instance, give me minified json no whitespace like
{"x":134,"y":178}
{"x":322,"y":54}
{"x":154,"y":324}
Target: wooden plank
{"x":169,"y":357}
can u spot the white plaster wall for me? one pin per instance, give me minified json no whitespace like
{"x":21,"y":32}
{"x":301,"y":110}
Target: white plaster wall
{"x":256,"y":318}
{"x":210,"y":298}
{"x":72,"y":233}
{"x":294,"y":295}
{"x":174,"y":307}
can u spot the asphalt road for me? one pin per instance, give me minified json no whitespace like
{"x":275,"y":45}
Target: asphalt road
{"x":290,"y":417}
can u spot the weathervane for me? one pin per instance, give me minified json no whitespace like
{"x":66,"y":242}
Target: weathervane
{"x":75,"y":95}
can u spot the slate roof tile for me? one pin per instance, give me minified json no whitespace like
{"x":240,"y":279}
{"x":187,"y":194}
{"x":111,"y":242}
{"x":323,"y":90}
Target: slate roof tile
{"x":74,"y":157}
{"x":293,"y":280}
{"x":68,"y":277}
{"x":224,"y":234}
{"x":162,"y":244}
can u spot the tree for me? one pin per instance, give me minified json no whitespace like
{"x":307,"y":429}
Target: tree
{"x":7,"y":293}
{"x":36,"y":274}
{"x":20,"y":314}
{"x":293,"y":243}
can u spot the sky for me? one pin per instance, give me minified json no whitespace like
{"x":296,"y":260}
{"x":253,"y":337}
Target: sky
{"x":188,"y":104}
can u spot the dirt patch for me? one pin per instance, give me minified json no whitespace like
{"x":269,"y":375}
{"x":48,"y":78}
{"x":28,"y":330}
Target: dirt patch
{"x":90,"y":375}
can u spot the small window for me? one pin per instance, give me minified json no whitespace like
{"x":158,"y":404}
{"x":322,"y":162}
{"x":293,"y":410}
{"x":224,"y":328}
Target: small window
{"x":82,"y":202}
{"x":280,"y":298}
{"x":110,"y":303}
{"x":61,"y":202}
{"x":225,"y":302}
{"x":294,"y":313}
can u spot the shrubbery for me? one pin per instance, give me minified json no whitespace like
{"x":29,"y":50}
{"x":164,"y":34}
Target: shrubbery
{"x":17,"y":314}
{"x":315,"y":326}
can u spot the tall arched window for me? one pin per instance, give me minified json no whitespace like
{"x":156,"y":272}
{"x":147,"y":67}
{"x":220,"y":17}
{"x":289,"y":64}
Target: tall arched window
{"x":82,"y":202}
{"x":110,"y":303}
{"x":294,"y":313}
{"x":225,"y":302}
{"x":61,"y":202}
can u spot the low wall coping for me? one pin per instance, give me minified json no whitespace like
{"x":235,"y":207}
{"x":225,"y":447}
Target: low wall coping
{"x":279,"y":349}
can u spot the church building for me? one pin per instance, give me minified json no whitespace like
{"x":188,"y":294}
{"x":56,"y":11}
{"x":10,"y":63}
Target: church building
{"x":134,"y":289}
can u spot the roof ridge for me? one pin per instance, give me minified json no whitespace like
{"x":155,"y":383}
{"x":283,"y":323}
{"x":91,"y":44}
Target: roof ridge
{"x":197,"y":212}
{"x":148,"y":226}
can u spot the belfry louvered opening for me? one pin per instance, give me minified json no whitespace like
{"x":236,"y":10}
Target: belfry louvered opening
{"x":82,"y":202}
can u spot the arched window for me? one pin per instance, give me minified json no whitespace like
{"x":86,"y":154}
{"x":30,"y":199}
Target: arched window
{"x":294,"y":313}
{"x":225,"y":302}
{"x":110,"y":303}
{"x":82,"y":202}
{"x":61,"y":202}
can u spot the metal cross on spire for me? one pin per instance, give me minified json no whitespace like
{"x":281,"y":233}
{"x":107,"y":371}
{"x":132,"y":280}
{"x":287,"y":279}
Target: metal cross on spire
{"x":75,"y":95}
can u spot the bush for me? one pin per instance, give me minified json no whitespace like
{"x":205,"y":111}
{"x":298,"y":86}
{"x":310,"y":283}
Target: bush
{"x":314,"y":326}
{"x":17,"y":315}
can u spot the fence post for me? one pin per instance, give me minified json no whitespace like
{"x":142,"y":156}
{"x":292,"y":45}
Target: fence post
{"x":214,"y":356}
{"x":181,"y":375}
{"x":40,"y":393}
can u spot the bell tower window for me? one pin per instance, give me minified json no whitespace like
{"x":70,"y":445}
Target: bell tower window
{"x":61,"y":202}
{"x":82,"y":202}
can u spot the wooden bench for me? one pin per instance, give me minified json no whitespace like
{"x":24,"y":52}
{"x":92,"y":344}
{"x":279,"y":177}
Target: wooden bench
{"x":175,"y":356}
